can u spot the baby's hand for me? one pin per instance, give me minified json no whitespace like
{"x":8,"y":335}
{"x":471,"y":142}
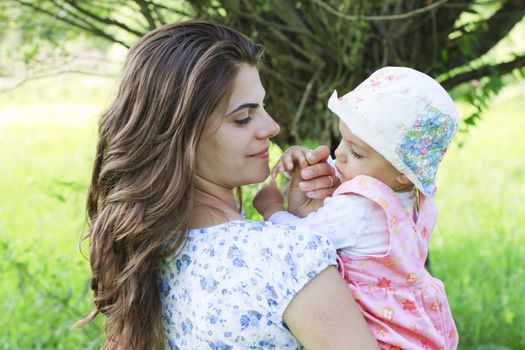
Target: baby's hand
{"x":292,"y":157}
{"x":268,"y":200}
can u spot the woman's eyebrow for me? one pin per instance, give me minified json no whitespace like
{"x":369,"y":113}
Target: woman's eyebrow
{"x":244,"y":106}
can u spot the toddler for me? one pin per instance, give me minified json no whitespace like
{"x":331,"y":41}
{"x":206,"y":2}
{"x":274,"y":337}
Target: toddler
{"x":395,"y":128}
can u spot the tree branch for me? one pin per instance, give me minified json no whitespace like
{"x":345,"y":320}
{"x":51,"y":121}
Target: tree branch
{"x":501,"y":68}
{"x":52,"y":74}
{"x":105,"y":20}
{"x":146,"y":12}
{"x":304,"y":98}
{"x":90,"y":29}
{"x":159,"y":15}
{"x":485,"y":36}
{"x":380,"y":18}
{"x":263,"y":21}
{"x":171,"y":9}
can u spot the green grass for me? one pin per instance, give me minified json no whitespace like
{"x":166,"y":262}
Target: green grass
{"x":48,"y":133}
{"x":45,"y":154}
{"x":477,"y":247}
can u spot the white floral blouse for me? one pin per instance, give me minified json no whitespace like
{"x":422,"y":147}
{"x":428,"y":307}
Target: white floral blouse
{"x":229,"y":286}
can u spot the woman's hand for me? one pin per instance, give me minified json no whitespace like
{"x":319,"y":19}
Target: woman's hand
{"x":311,"y":182}
{"x":318,"y":179}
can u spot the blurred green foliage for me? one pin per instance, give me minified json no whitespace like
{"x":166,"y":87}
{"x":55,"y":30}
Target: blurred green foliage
{"x":311,"y":47}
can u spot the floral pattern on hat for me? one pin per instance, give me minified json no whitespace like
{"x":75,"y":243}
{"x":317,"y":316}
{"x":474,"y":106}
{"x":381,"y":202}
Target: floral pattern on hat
{"x":424,"y":144}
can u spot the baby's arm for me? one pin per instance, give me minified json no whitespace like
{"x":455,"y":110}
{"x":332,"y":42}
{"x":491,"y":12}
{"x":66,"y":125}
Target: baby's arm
{"x":313,"y":178}
{"x":268,"y":200}
{"x":338,"y":219}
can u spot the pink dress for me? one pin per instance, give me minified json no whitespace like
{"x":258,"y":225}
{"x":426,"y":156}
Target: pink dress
{"x":405,"y":307}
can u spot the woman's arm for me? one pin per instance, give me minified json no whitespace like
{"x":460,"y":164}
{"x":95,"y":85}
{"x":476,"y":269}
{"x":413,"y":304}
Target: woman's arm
{"x":324,"y":315}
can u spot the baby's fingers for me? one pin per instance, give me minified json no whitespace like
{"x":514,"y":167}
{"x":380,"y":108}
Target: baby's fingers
{"x":294,"y":156}
{"x":288,"y":159}
{"x":278,"y":168}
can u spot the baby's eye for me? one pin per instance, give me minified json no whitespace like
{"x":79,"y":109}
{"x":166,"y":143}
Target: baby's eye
{"x":356,"y":155}
{"x":243,"y":121}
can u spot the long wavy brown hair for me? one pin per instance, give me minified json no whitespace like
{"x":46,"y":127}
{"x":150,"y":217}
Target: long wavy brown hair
{"x":140,"y":198}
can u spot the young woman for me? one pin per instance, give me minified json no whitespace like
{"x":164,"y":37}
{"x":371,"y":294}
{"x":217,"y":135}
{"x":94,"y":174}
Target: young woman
{"x":174,"y":262}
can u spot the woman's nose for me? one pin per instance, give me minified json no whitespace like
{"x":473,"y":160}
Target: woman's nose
{"x":269,"y":128}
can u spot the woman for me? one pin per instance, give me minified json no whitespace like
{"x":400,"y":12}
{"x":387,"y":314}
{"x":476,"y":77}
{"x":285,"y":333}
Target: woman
{"x":173,"y":260}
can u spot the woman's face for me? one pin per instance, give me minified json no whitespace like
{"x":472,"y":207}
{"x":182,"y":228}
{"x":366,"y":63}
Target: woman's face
{"x":233,"y":150}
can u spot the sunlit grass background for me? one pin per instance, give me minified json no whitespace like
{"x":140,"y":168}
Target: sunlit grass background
{"x":46,"y":149}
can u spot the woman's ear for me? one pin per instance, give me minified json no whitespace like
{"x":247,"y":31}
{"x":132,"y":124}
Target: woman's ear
{"x":402,"y":179}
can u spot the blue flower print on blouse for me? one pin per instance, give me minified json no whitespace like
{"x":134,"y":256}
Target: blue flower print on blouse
{"x":220,"y":346}
{"x":236,"y":255}
{"x":230,"y":284}
{"x":209,"y":284}
{"x":251,"y":318}
{"x":183,"y":263}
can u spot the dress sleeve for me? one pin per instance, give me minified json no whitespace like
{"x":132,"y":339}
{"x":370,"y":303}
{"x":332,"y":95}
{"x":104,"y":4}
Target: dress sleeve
{"x":299,"y":255}
{"x":339,"y":219}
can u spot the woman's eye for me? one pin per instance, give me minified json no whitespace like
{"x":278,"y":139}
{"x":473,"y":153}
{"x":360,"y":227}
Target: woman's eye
{"x":243,"y":121}
{"x":356,"y":155}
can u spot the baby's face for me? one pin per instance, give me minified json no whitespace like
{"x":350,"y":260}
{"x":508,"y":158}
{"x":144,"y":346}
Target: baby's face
{"x":354,"y":157}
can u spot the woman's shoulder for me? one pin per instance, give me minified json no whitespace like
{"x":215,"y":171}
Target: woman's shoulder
{"x":241,"y":276}
{"x":260,"y":234}
{"x":247,"y":243}
{"x":264,"y":248}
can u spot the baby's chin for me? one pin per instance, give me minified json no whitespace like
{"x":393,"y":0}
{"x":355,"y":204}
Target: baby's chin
{"x":344,"y":178}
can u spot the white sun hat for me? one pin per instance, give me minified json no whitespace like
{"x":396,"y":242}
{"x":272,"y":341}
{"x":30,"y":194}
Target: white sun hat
{"x":406,"y":116}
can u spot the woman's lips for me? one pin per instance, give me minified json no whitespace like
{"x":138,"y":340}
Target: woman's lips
{"x":261,"y":155}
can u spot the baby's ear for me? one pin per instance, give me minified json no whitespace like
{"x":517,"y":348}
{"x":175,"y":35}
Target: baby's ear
{"x":402,"y":179}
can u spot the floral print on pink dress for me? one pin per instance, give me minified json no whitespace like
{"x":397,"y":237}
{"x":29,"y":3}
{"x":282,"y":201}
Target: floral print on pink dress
{"x":405,"y":307}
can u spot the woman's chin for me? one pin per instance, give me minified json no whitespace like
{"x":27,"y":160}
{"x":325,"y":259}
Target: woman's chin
{"x":261,"y":175}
